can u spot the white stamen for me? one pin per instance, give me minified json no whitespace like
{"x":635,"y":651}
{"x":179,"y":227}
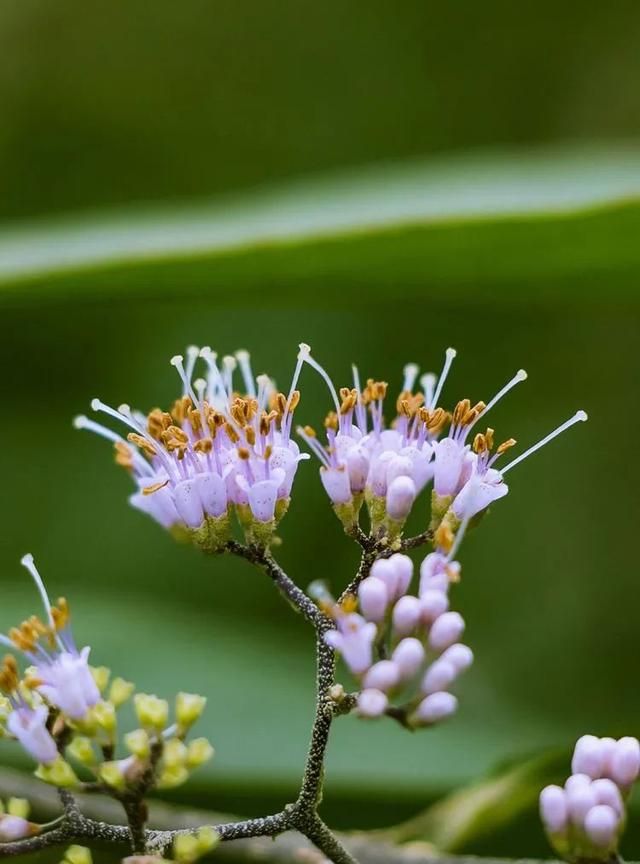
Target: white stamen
{"x":305,"y":355}
{"x":244,"y":361}
{"x":187,"y":389}
{"x":520,"y":375}
{"x":449,"y":354}
{"x":314,"y":445}
{"x":265,"y":388}
{"x":28,"y":562}
{"x":410,"y":374}
{"x":82,"y":422}
{"x":229,"y":365}
{"x":578,"y":417}
{"x":458,"y":540}
{"x":216,"y":384}
{"x":296,"y":375}
{"x":193,"y":352}
{"x":428,"y":384}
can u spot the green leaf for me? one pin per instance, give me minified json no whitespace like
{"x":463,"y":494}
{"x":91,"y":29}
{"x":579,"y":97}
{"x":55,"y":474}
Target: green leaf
{"x":455,"y":225}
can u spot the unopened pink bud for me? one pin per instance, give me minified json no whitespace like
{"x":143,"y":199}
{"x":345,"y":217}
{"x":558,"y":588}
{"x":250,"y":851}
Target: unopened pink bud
{"x":607,"y":792}
{"x":460,"y":656}
{"x":400,"y":497}
{"x":446,"y":630}
{"x":383,"y":675}
{"x":383,"y":569}
{"x":403,"y":566}
{"x":409,"y":657}
{"x":372,"y":703}
{"x":580,"y":800}
{"x":406,"y":615}
{"x":440,"y":676}
{"x":374,"y":599}
{"x":588,"y":757}
{"x":553,"y":809}
{"x":625,"y":761}
{"x":434,"y":603}
{"x":601,"y":825}
{"x":14,"y":828}
{"x":577,"y":780}
{"x":434,"y":708}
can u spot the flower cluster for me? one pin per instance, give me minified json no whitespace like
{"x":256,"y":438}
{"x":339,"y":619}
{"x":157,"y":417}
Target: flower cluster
{"x":214,"y":451}
{"x":403,"y":649}
{"x":63,"y":711}
{"x":585,"y":819}
{"x":387,"y":466}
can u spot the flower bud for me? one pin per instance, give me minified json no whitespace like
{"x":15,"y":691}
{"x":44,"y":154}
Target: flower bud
{"x":406,"y":615}
{"x":433,"y":604}
{"x":58,"y":773}
{"x":588,"y":757}
{"x":384,"y":675}
{"x":400,"y":497}
{"x":208,"y":838}
{"x":18,"y":807}
{"x":383,"y":569}
{"x":373,"y":598}
{"x":101,"y":675}
{"x":372,"y":703}
{"x":199,"y":751}
{"x":553,"y":809}
{"x":138,"y":744}
{"x":77,"y":855}
{"x":81,"y":749}
{"x":460,"y":656}
{"x":170,"y":777}
{"x":440,"y":676}
{"x":175,"y":753}
{"x":120,"y":691}
{"x":601,"y":826}
{"x":446,"y":630}
{"x":151,"y":711}
{"x":607,"y":792}
{"x":185,"y":848}
{"x":114,"y":774}
{"x":15,"y":828}
{"x":104,"y":714}
{"x":434,"y":708}
{"x":580,"y":799}
{"x":403,"y":566}
{"x":625,"y":762}
{"x":577,"y":780}
{"x":189,"y":707}
{"x":409,"y":657}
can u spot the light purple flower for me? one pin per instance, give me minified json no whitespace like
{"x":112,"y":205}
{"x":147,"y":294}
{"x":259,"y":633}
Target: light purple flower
{"x":353,"y":639}
{"x":215,"y":449}
{"x":28,"y":725}
{"x":14,"y":828}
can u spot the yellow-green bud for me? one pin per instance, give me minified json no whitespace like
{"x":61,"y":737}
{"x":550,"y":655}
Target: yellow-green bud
{"x":82,"y":750}
{"x":199,"y":751}
{"x":120,"y":691}
{"x":101,"y":676}
{"x":172,"y":777}
{"x":113,"y":775}
{"x":152,"y":712}
{"x":189,"y":707}
{"x":77,"y":855}
{"x":104,"y":714}
{"x":185,"y":848}
{"x":208,"y":838}
{"x":175,"y":753}
{"x":137,"y":742}
{"x":18,"y":807}
{"x":58,"y":773}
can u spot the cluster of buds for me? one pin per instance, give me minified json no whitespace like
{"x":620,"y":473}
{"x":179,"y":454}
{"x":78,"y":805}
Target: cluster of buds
{"x":388,"y":466}
{"x":585,"y":819}
{"x":64,"y":712}
{"x":215,"y":451}
{"x":403,"y":649}
{"x":187,"y":848}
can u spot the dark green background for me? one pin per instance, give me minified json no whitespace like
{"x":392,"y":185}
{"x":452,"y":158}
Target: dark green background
{"x":115,"y":103}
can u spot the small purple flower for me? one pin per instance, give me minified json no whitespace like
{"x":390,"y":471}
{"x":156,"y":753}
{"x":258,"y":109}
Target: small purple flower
{"x":213,"y":450}
{"x":62,"y":675}
{"x":29,"y":726}
{"x":354,"y":640}
{"x":15,"y":828}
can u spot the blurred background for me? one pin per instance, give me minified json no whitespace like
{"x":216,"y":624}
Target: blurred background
{"x":381,"y":181}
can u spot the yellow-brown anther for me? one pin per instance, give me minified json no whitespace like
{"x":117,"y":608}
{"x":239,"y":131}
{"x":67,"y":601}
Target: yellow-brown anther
{"x":460,"y":410}
{"x":149,"y":490}
{"x":23,"y":638}
{"x":294,"y":401}
{"x":268,"y":450}
{"x":142,"y":443}
{"x":175,"y":434}
{"x":408,"y":404}
{"x":243,"y":453}
{"x":506,"y":445}
{"x":434,"y":419}
{"x":374,"y":390}
{"x":348,"y":403}
{"x":479,"y":443}
{"x":231,"y":432}
{"x":444,"y":537}
{"x":203,"y":445}
{"x":349,"y":604}
{"x":278,"y":402}
{"x":331,"y":420}
{"x":266,"y":420}
{"x":250,"y":435}
{"x":195,"y":419}
{"x":60,"y":614}
{"x":9,"y":678}
{"x":180,"y":408}
{"x":157,"y":422}
{"x":124,"y":455}
{"x":239,"y":412}
{"x":310,"y":431}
